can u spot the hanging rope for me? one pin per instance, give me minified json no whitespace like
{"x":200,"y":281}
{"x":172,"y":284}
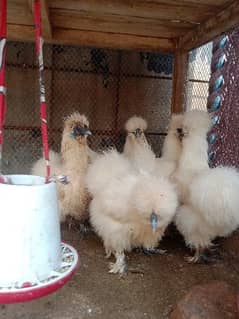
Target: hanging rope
{"x":39,"y":50}
{"x":3,"y":31}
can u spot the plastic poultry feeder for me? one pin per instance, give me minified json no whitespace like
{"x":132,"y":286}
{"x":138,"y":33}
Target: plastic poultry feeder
{"x":34,"y":262}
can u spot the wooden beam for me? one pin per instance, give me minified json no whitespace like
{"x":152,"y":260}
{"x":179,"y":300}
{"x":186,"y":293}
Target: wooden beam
{"x":16,"y":32}
{"x":95,"y":39}
{"x":180,"y":71}
{"x":46,"y":23}
{"x":45,"y":16}
{"x":19,"y":12}
{"x":187,"y":11}
{"x":220,"y":23}
{"x":84,"y":20}
{"x":114,"y":40}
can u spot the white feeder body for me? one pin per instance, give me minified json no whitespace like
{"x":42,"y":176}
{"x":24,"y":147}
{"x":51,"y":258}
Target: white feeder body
{"x":29,"y":230}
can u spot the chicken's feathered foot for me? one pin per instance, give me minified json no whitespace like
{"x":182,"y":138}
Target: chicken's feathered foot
{"x":154,"y":251}
{"x":119,"y":266}
{"x":85,"y":229}
{"x":205,"y":256}
{"x":74,"y":225}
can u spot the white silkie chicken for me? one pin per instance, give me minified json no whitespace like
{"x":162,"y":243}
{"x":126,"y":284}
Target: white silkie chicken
{"x":140,"y":154}
{"x":129,"y":208}
{"x":72,"y":162}
{"x":210,"y":201}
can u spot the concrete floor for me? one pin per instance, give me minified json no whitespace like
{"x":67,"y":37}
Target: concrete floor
{"x":151,"y":293}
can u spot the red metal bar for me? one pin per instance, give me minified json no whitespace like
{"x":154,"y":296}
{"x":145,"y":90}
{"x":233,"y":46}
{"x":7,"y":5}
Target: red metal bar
{"x":43,"y":107}
{"x":3,"y":33}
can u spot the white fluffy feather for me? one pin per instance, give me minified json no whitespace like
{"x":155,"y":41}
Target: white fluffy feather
{"x":211,"y":205}
{"x":172,"y":148}
{"x":123,"y":203}
{"x":212,"y":208}
{"x":194,"y":157}
{"x":140,"y":154}
{"x":135,"y":143}
{"x":73,"y":162}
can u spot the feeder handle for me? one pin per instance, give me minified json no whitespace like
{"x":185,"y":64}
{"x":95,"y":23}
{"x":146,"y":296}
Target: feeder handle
{"x":43,"y":106}
{"x":3,"y":35}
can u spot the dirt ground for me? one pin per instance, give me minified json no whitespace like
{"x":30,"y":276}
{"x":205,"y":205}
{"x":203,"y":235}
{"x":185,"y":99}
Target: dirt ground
{"x":151,"y":293}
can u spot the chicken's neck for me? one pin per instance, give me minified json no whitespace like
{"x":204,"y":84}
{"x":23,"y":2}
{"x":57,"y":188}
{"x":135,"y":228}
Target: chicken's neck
{"x":171,"y":148}
{"x":194,"y":156}
{"x":74,"y":154}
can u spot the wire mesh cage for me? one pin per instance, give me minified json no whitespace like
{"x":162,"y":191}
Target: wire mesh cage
{"x":108,"y":86}
{"x":223,"y":102}
{"x":199,"y":72}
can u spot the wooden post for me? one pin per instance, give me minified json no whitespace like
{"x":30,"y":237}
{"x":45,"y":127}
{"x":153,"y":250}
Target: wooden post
{"x":179,"y":81}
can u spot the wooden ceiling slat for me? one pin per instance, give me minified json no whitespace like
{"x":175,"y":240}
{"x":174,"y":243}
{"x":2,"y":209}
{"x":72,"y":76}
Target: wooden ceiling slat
{"x":135,"y":24}
{"x":46,"y":24}
{"x":117,"y":24}
{"x":19,"y":12}
{"x":176,"y":10}
{"x":220,"y":23}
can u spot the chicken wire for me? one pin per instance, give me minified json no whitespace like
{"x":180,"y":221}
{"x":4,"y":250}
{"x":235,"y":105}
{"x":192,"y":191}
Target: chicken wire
{"x":199,"y":71}
{"x":108,"y":86}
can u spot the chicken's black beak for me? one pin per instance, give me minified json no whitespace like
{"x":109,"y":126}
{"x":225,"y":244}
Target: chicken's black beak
{"x":154,"y":221}
{"x":180,"y":133}
{"x":138,"y":132}
{"x":80,"y":131}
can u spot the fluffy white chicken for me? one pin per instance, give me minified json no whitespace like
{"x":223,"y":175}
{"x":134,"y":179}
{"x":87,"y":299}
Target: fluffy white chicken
{"x":211,"y":205}
{"x":139,"y":152}
{"x":193,"y":157}
{"x":172,"y":147}
{"x":129,"y":208}
{"x":72,"y":162}
{"x":135,"y":128}
{"x":137,"y":148}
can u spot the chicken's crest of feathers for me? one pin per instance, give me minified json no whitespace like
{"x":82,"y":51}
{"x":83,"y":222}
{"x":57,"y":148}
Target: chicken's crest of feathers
{"x":135,"y":122}
{"x":68,"y":143}
{"x":75,"y":118}
{"x":196,"y":121}
{"x":175,"y":122}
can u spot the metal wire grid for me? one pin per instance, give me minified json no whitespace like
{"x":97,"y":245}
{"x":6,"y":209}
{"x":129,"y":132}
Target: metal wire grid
{"x":199,"y":72}
{"x":223,"y":102}
{"x":108,"y":86}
